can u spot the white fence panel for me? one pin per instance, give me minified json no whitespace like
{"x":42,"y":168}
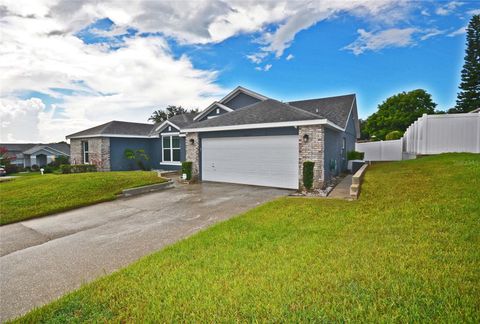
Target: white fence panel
{"x":381,"y":150}
{"x":434,"y":134}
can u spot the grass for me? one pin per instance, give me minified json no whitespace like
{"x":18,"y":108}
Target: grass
{"x":407,"y":251}
{"x":33,"y":195}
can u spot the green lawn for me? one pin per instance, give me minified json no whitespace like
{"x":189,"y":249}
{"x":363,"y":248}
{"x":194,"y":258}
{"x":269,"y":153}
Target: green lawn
{"x":407,"y":251}
{"x":33,"y":195}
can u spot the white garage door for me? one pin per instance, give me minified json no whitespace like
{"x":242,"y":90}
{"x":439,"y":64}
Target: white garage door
{"x":270,"y":161}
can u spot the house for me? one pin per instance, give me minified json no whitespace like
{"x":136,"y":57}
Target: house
{"x":28,"y":154}
{"x":244,"y":138}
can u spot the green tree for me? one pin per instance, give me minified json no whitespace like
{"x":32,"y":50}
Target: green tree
{"x":394,"y":135}
{"x":139,"y":156}
{"x":161,"y":115}
{"x":398,"y":112}
{"x":468,"y":98}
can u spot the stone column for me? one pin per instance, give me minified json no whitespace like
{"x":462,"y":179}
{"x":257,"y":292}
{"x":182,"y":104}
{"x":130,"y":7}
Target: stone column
{"x":192,"y":145}
{"x":311,"y":150}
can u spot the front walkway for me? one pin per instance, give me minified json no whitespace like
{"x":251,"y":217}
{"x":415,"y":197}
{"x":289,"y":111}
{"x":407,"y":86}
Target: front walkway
{"x":342,"y":189}
{"x":47,"y":257}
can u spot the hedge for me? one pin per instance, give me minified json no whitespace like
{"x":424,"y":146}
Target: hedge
{"x":77,"y":168}
{"x":187,"y":169}
{"x":308,"y":174}
{"x":355,"y":155}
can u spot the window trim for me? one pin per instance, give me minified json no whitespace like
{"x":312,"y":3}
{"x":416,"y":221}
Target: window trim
{"x":171,"y":149}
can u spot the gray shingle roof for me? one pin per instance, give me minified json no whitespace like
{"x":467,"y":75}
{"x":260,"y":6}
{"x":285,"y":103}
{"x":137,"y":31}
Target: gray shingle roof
{"x":335,"y":109}
{"x":61,"y":147}
{"x":181,"y":121}
{"x":267,"y":111}
{"x":18,"y":147}
{"x":28,"y":148}
{"x":116,"y":128}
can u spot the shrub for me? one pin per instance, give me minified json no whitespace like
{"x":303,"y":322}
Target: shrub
{"x":394,"y":135}
{"x":48,"y":169}
{"x":355,"y":155}
{"x":59,"y":160}
{"x":139,"y":156}
{"x":11,"y":168}
{"x":35,"y":167}
{"x":308,"y":174}
{"x":187,"y":169}
{"x":77,"y":168}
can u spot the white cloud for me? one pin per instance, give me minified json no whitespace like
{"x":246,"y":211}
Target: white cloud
{"x":265,"y":68}
{"x":459,"y":31}
{"x":448,"y":8}
{"x":474,"y":12}
{"x":394,"y":37}
{"x":257,"y":58}
{"x":126,"y":84}
{"x":369,"y":41}
{"x":289,"y":57}
{"x":429,"y":33}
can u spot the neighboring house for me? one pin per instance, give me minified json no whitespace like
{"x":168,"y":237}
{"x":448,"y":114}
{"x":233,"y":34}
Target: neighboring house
{"x":244,"y":138}
{"x":30,"y":154}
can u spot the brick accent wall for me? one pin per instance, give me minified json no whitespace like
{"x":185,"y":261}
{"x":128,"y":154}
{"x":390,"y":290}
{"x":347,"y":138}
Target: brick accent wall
{"x":312,"y":150}
{"x":193,"y":153}
{"x":99,"y":152}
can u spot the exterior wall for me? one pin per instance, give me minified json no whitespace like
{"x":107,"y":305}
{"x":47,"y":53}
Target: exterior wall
{"x":312,"y":150}
{"x":118,"y":145}
{"x":192,"y":143}
{"x":76,"y":151}
{"x":240,"y":100}
{"x":335,"y":159}
{"x":99,"y":152}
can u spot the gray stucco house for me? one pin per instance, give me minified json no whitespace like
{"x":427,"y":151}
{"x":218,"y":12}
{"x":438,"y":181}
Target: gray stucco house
{"x":244,"y":138}
{"x":28,"y":154}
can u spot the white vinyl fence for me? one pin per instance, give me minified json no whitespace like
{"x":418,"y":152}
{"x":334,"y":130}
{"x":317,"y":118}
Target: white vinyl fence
{"x":434,"y":134}
{"x":430,"y":134}
{"x":381,"y":150}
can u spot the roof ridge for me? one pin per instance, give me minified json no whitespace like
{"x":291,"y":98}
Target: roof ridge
{"x":345,"y":95}
{"x":299,"y":109}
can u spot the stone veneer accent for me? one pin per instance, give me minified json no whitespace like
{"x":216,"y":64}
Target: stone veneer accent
{"x":312,"y":150}
{"x":99,"y":152}
{"x":193,"y":153}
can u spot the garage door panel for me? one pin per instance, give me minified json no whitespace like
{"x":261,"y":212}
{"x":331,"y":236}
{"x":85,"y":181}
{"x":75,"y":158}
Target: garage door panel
{"x":257,"y":160}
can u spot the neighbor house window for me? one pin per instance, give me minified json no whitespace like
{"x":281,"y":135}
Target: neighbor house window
{"x":171,"y":149}
{"x":86,"y":158}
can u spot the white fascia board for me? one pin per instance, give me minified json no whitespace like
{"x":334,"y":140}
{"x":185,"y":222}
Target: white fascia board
{"x":165,"y":124}
{"x":170,"y":134}
{"x":245,"y":91}
{"x":110,"y":135}
{"x":263,"y":125}
{"x":210,"y":108}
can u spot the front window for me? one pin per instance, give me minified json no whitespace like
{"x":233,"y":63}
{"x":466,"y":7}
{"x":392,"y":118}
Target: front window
{"x":86,"y":158}
{"x":171,"y":149}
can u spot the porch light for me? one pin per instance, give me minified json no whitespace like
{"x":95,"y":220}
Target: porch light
{"x":305,"y":138}
{"x":192,"y":141}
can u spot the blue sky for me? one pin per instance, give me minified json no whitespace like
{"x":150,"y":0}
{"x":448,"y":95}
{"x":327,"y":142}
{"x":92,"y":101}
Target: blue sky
{"x":75,"y":65}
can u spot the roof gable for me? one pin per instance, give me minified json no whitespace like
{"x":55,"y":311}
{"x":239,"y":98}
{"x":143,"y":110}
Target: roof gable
{"x":241,"y":90}
{"x":213,"y":106}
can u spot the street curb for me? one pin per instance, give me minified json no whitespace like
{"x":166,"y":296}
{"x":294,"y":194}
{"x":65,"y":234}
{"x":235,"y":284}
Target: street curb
{"x":146,"y":189}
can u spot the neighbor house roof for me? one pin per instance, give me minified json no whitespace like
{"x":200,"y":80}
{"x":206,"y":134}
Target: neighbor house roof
{"x":17,"y":147}
{"x":115,"y":128}
{"x":54,"y":148}
{"x":263,"y":112}
{"x":335,"y":109}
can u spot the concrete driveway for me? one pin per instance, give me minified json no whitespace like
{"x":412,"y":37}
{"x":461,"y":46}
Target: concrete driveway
{"x":42,"y":259}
